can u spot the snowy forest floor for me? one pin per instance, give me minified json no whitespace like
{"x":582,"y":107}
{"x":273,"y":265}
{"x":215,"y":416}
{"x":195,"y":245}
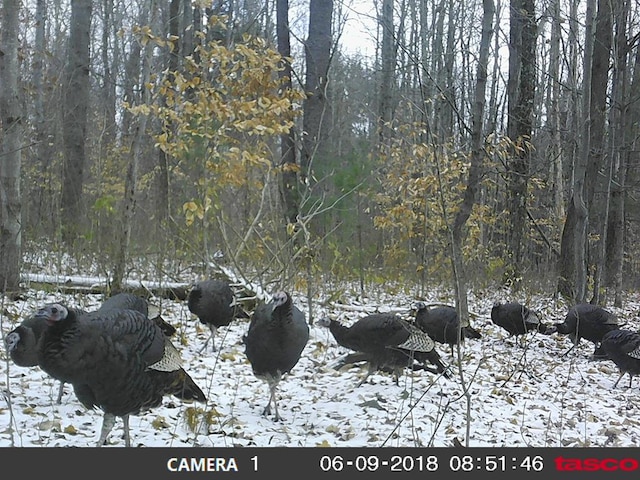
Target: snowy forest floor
{"x":507,"y":392}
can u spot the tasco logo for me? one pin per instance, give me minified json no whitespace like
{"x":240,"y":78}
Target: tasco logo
{"x":596,"y":464}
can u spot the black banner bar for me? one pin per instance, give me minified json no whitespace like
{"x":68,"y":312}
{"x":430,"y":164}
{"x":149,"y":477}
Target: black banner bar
{"x":329,"y":463}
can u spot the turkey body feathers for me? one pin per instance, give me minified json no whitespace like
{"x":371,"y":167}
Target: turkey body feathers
{"x":213,"y":302}
{"x":277,"y":335}
{"x":623,"y":348}
{"x":590,"y":322}
{"x":518,"y":319}
{"x":442,"y":324}
{"x":129,"y":301}
{"x":117,"y":360}
{"x":125,"y":301}
{"x":386,"y":342}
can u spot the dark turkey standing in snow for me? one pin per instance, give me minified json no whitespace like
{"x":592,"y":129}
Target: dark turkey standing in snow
{"x":277,"y":335}
{"x":22,"y":341}
{"x":213,"y":302}
{"x":116,"y":360}
{"x":442,"y":324}
{"x":387,"y":343}
{"x":590,"y":322}
{"x":517,"y":319}
{"x":623,"y":348}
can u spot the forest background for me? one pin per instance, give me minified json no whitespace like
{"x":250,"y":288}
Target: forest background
{"x":475,"y":144}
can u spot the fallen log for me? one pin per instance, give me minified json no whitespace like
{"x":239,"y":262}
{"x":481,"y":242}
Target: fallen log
{"x":100,"y":285}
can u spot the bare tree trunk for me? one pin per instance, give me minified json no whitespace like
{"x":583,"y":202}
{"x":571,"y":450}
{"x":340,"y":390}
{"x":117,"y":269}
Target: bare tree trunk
{"x":572,"y":264}
{"x":75,"y":109}
{"x":388,"y":64}
{"x":163,"y":206}
{"x":186,"y":35}
{"x":554,"y":152}
{"x":10,"y":151}
{"x":318,"y":57}
{"x":109,"y":58}
{"x":475,"y":170}
{"x":623,"y":111}
{"x":521,"y":90}
{"x":131,"y":179}
{"x":289,"y":184}
{"x":131,"y":82}
{"x":43,"y":128}
{"x":599,"y":210}
{"x":316,"y":117}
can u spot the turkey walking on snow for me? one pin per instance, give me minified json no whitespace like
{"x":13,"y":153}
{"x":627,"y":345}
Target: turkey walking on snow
{"x":117,"y":360}
{"x":623,"y":348}
{"x":213,"y":302}
{"x":518,"y":320}
{"x":442,"y":324}
{"x":277,"y":335}
{"x":590,"y":322}
{"x":387,"y":343}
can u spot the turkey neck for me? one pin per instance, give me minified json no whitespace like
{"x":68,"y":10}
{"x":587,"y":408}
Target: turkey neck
{"x":341,"y":333}
{"x":283,"y":314}
{"x":56,"y":339}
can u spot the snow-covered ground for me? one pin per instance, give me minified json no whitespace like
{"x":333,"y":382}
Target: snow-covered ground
{"x":508,"y":395}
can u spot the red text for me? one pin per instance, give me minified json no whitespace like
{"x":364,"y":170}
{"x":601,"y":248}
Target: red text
{"x":596,"y":464}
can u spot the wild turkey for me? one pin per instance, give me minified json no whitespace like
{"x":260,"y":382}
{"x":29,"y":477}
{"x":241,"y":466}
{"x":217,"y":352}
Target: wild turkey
{"x":387,"y":343}
{"x":130,"y":301}
{"x":277,"y":335}
{"x":213,"y":302}
{"x":22,"y":344}
{"x":623,"y":348}
{"x":116,"y":360}
{"x":590,"y":322}
{"x":518,"y":320}
{"x":442,"y":324}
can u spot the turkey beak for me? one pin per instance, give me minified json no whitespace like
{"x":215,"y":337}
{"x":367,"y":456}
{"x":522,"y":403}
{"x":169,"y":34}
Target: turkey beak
{"x":11,"y":341}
